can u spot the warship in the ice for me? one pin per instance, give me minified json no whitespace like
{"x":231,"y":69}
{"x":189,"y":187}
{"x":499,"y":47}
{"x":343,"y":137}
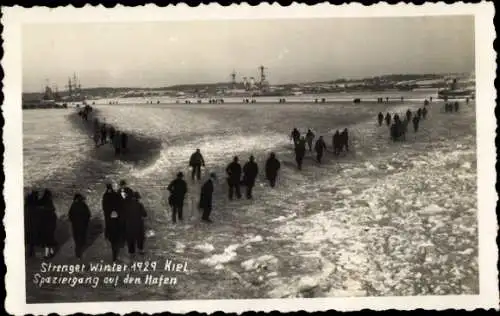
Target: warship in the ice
{"x":456,"y":92}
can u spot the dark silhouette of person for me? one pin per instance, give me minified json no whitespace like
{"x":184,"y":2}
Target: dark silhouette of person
{"x":336,"y":143}
{"x":178,"y":190}
{"x":415,"y":121}
{"x":424,"y":113}
{"x":48,"y":223}
{"x":344,"y":136}
{"x":96,"y":124}
{"x":467,"y":100}
{"x":111,"y":133}
{"x":114,"y":219}
{"x":426,"y":102}
{"x":104,"y":129}
{"x":380,"y":118}
{"x":419,"y":113}
{"x":206,"y":194}
{"x":295,"y":136}
{"x":124,"y":141}
{"x":402,"y":99}
{"x":394,"y":131}
{"x":408,"y":115}
{"x":117,"y":143}
{"x":97,"y":136}
{"x":396,"y":118}
{"x":310,"y":138}
{"x":430,"y":99}
{"x":196,"y":162}
{"x":272,"y":167}
{"x":250,"y":172}
{"x":387,"y":99}
{"x":31,"y":222}
{"x":319,"y":147}
{"x":110,"y":202}
{"x":79,"y":216}
{"x":388,"y":119}
{"x":134,"y":222}
{"x":233,"y":171}
{"x":456,"y":106}
{"x":300,"y":152}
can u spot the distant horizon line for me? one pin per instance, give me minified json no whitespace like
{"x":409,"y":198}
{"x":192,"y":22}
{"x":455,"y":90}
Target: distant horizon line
{"x":281,"y":84}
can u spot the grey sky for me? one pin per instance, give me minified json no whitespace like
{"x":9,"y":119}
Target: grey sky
{"x":167,"y":53}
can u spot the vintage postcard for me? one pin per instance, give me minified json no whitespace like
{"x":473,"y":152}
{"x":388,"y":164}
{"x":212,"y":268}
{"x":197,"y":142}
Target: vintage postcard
{"x":249,"y":158}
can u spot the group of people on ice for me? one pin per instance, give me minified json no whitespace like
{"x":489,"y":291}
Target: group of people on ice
{"x":123,"y":215}
{"x":399,"y":128}
{"x":104,"y":133}
{"x":450,"y":107}
{"x":340,"y":142}
{"x":236,"y":177}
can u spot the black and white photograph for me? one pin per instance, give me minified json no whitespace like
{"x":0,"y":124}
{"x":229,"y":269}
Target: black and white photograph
{"x":245,"y":156}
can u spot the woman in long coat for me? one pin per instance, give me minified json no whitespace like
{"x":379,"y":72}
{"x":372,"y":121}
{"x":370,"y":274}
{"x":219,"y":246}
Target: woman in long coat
{"x":134,"y":222}
{"x":79,"y":216}
{"x":31,"y":222}
{"x":48,"y":222}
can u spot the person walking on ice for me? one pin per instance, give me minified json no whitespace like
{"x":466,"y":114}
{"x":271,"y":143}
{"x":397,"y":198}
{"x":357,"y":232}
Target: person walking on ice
{"x":196,"y":162}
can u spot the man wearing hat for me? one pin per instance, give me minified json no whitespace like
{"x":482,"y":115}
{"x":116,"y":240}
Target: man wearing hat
{"x":178,"y":190}
{"x":206,"y":194}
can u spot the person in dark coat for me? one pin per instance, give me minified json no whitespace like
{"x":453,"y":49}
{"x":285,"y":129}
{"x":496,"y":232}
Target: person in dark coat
{"x":408,"y":115}
{"x":97,"y":136}
{"x":31,"y":222}
{"x":456,"y":106}
{"x":344,"y":139}
{"x":310,"y":138}
{"x":424,"y":113}
{"x":272,"y":167}
{"x":117,"y":143}
{"x":467,"y":100}
{"x":205,"y":203}
{"x":104,"y":130}
{"x":115,"y":231}
{"x":111,"y":133}
{"x":426,"y":102}
{"x":178,"y":190}
{"x":96,"y":124}
{"x":419,"y":113}
{"x":319,"y":147}
{"x":233,"y":171}
{"x":416,"y":121}
{"x":380,"y":118}
{"x":295,"y":136}
{"x":110,"y":202}
{"x":336,"y":144}
{"x":196,"y":162}
{"x":134,"y":222}
{"x":48,"y":223}
{"x":79,"y":216}
{"x":388,"y":119}
{"x":124,"y":141}
{"x":300,"y":152}
{"x":250,"y":172}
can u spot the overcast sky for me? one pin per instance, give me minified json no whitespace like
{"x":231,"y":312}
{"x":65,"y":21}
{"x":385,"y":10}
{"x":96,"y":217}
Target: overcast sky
{"x":167,"y":53}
